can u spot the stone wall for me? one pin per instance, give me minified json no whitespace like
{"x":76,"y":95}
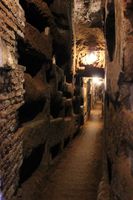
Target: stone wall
{"x":38,"y":111}
{"x":11,"y":96}
{"x":119,"y":122}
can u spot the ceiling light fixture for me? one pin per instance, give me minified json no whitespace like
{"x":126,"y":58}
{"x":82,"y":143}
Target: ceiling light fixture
{"x":89,"y":59}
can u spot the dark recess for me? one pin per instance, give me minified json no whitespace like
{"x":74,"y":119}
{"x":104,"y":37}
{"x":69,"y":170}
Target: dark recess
{"x":109,"y":166}
{"x":66,"y":142}
{"x":49,"y":2}
{"x":33,"y":16}
{"x":110,"y":31}
{"x":55,"y":150}
{"x":56,"y":106}
{"x":30,"y":110}
{"x":31,"y":163}
{"x":27,"y":57}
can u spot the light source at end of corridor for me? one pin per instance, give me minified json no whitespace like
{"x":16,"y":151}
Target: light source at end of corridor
{"x":97,"y":81}
{"x":89,"y":59}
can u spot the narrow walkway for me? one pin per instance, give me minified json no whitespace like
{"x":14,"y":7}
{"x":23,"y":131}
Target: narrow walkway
{"x":79,"y":171}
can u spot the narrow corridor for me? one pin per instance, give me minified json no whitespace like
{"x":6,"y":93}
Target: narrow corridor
{"x":78,"y":173}
{"x":57,"y":59}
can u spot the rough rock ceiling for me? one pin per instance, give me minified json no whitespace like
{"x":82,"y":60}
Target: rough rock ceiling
{"x":89,"y":26}
{"x":89,"y":38}
{"x":88,"y":12}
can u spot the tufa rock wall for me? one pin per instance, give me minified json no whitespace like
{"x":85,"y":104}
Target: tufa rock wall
{"x":119,"y":122}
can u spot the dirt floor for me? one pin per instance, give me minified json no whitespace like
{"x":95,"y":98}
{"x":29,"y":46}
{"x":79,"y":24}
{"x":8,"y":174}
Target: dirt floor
{"x":78,"y":173}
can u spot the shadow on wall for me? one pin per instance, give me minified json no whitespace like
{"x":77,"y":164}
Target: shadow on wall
{"x":110,"y":30}
{"x":31,"y":163}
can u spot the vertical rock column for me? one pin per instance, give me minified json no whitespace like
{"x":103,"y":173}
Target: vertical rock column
{"x":72,"y":5}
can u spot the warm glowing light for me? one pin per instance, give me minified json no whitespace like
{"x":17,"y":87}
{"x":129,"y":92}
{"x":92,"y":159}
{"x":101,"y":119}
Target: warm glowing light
{"x":89,"y":59}
{"x":97,"y":81}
